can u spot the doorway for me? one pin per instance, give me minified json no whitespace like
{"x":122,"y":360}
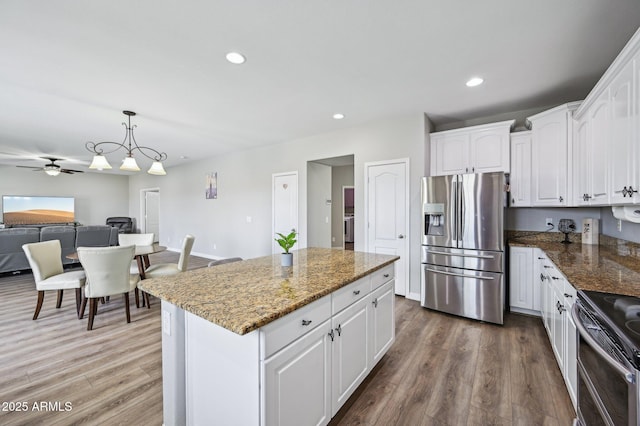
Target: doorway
{"x":326,"y":180}
{"x":150,"y":212}
{"x":348,"y":196}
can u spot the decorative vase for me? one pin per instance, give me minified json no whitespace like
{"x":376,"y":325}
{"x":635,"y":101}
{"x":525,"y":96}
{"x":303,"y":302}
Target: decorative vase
{"x":286,"y":259}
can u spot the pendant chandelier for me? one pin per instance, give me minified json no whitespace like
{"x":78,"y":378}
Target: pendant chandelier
{"x":130,"y":145}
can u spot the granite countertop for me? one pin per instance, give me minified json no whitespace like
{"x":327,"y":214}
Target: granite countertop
{"x":244,"y":296}
{"x":613,"y":266}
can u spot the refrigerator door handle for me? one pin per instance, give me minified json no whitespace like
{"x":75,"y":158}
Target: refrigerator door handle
{"x":444,"y":253}
{"x":461,"y":212}
{"x":453,"y":203}
{"x":435,"y":271}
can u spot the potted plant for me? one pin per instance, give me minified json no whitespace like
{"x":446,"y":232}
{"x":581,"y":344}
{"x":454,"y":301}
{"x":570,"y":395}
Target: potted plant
{"x":286,"y":242}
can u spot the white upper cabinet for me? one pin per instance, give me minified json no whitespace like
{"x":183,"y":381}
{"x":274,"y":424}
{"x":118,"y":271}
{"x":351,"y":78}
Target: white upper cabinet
{"x":607,"y":172}
{"x":520,"y":181}
{"x":551,"y":132}
{"x":591,"y":181}
{"x":476,"y":149}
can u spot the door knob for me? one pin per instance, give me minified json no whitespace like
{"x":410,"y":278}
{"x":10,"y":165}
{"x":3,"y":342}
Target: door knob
{"x":401,"y":236}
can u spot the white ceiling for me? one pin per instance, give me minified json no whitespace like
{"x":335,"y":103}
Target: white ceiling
{"x":69,"y":67}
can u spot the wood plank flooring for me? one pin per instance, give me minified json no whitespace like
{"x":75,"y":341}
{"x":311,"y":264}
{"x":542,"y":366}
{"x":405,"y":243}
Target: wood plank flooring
{"x":442,"y":370}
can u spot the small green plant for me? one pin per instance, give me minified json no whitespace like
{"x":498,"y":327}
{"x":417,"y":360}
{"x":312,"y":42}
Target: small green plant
{"x":286,"y":241}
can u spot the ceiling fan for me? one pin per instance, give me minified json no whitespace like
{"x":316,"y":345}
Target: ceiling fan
{"x":52,"y":169}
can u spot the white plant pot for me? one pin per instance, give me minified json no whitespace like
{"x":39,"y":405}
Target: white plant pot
{"x":286,"y":259}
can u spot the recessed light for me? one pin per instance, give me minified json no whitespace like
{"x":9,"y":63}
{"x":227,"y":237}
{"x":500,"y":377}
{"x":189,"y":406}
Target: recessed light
{"x":475,"y":81}
{"x":338,"y":116}
{"x":236,"y":58}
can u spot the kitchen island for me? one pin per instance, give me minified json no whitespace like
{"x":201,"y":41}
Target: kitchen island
{"x":254,"y":343}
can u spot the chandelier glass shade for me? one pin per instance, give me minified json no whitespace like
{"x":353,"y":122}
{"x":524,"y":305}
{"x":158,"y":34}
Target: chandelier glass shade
{"x":130,"y":145}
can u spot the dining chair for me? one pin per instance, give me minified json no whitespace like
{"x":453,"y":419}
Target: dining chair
{"x":108,"y":274}
{"x":137,"y":240}
{"x":46,"y":264}
{"x":164,"y":269}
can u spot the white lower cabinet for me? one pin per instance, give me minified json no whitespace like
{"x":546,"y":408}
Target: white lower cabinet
{"x":383,"y":330}
{"x":308,"y":380}
{"x":350,"y":351}
{"x":298,"y":381}
{"x":524,"y":295}
{"x":558,"y":296}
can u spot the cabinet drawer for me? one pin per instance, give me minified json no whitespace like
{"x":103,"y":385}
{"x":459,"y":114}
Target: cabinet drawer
{"x":285,"y":330}
{"x":350,"y":294}
{"x":382,"y":276}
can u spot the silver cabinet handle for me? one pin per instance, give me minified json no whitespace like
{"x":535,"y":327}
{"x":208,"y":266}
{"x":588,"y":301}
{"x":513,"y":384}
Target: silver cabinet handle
{"x":555,"y":278}
{"x":568,"y":295}
{"x":542,"y":277}
{"x":458,"y":275}
{"x":401,"y":236}
{"x":386,"y":275}
{"x":478,"y":256}
{"x":375,"y":302}
{"x":560,"y":198}
{"x":339,"y":330}
{"x":331,"y":334}
{"x":356,"y":292}
{"x":306,"y":322}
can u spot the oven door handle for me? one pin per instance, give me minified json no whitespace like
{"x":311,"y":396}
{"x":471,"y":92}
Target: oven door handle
{"x":458,"y":275}
{"x":628,"y":375}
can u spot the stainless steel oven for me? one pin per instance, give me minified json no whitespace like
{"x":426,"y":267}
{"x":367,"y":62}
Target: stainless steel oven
{"x":608,"y":389}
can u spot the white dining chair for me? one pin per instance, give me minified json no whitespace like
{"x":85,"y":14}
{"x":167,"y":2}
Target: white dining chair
{"x":46,"y":264}
{"x":108,"y":274}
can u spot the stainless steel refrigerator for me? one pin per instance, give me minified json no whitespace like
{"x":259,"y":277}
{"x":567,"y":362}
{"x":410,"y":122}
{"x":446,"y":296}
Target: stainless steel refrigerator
{"x":463,"y":245}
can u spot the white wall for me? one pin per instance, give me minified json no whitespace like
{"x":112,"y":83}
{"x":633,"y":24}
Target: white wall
{"x":318,"y":211}
{"x":609,"y":226}
{"x":534,"y":219}
{"x":244,"y":189}
{"x":97,"y":196}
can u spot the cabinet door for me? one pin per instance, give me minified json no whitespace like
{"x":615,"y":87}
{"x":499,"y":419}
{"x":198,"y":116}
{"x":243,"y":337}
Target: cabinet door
{"x":622,"y":149}
{"x":581,"y":148}
{"x":549,"y":160}
{"x":557,"y":321}
{"x":521,"y":277}
{"x":350,"y":351}
{"x":450,"y":154}
{"x":570,"y":358}
{"x":489,"y":151}
{"x":297,"y":381}
{"x":520,"y":181}
{"x":382,"y":321}
{"x":599,"y":137}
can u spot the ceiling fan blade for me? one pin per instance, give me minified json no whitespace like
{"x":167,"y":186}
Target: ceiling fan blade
{"x":31,"y":167}
{"x":70,"y":171}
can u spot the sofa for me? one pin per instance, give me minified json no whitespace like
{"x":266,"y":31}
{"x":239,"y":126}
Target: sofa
{"x":12,"y":257}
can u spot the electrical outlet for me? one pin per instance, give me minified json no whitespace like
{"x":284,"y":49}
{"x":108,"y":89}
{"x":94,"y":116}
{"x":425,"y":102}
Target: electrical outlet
{"x":619,"y":225}
{"x":548,"y":221}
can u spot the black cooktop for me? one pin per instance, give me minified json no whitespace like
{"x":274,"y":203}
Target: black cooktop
{"x":620,"y":316}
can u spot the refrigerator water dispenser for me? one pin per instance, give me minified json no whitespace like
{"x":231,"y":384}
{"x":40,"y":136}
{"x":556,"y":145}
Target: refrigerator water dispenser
{"x":433,"y":218}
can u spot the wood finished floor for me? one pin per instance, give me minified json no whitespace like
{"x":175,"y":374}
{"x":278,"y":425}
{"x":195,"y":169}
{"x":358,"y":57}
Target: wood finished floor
{"x":442,"y":370}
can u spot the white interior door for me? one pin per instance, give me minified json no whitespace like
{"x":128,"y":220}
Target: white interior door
{"x":285,"y":205}
{"x":387,"y":214}
{"x":152,"y":214}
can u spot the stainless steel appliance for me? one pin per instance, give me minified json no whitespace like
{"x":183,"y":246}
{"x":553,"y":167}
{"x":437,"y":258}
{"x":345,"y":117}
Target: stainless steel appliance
{"x":608,"y":358}
{"x":463,"y":245}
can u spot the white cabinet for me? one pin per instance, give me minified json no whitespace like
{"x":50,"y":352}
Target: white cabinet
{"x":524,"y":292}
{"x":591,"y":153}
{"x":608,"y":126}
{"x":558,"y":296}
{"x":476,"y":149}
{"x":625,"y":105}
{"x":520,"y":179}
{"x":551,"y":133}
{"x":350,"y":351}
{"x":298,"y":381}
{"x":382,"y":321}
